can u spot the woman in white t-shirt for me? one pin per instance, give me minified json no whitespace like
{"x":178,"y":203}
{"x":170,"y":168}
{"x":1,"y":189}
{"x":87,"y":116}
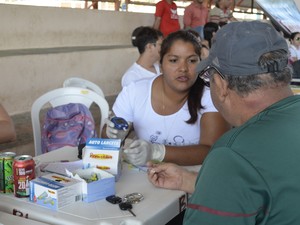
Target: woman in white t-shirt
{"x":148,"y":41}
{"x":172,"y":114}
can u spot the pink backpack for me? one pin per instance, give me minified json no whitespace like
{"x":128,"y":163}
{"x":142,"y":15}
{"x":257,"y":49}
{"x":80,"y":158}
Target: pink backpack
{"x":67,"y":125}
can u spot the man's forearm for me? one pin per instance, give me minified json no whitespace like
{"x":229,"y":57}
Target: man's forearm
{"x":156,"y":23}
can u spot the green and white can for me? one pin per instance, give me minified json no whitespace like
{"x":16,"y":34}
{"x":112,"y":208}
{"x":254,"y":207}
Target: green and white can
{"x":6,"y":172}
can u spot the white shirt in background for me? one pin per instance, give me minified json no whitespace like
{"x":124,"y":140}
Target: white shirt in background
{"x":137,"y":72}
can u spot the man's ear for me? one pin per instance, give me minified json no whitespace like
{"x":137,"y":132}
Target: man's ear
{"x":150,"y":46}
{"x":221,"y":87}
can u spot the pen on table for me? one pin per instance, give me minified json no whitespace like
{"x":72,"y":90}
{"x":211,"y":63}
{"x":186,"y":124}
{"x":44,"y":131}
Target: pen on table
{"x":144,"y":169}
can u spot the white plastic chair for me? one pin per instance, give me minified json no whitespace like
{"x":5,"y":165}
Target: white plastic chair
{"x":82,"y":83}
{"x":63,"y":96}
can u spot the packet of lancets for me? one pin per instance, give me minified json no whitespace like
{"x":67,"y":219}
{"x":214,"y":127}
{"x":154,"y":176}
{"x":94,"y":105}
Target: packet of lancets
{"x":104,"y":154}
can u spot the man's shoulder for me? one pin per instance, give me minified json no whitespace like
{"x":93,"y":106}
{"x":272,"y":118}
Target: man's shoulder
{"x":165,"y":4}
{"x":162,"y":2}
{"x":133,"y":68}
{"x":190,"y":6}
{"x":129,"y":75}
{"x":215,"y":10}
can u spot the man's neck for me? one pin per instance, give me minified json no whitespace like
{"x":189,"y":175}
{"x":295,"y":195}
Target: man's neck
{"x":258,"y":101}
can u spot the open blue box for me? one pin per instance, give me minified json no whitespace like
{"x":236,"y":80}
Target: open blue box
{"x":55,"y":191}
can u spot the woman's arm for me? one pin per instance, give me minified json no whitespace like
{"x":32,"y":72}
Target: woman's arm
{"x":212,"y":127}
{"x":7,"y":129}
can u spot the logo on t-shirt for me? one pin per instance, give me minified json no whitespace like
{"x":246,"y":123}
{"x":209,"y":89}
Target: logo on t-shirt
{"x":174,"y":15}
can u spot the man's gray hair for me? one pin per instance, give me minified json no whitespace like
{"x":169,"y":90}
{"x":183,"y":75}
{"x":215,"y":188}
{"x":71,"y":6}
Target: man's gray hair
{"x":244,"y":85}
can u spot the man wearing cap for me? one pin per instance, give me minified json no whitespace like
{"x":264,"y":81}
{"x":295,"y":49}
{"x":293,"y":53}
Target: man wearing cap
{"x":252,"y":173}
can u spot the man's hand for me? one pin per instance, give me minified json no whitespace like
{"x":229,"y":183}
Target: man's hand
{"x":165,"y":175}
{"x":140,"y":152}
{"x":171,"y":176}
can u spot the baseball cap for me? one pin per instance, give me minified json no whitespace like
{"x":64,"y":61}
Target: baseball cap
{"x":239,"y":45}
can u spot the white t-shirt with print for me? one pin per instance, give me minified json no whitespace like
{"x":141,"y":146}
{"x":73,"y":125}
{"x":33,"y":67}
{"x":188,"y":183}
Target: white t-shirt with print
{"x":134,"y":105}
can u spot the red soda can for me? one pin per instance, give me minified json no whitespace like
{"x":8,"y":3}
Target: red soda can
{"x":24,"y":171}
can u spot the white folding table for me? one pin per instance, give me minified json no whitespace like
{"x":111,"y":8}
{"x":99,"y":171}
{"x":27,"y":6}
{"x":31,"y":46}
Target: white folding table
{"x":158,"y":207}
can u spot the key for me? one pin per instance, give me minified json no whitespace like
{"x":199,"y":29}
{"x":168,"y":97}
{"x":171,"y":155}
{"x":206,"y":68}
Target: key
{"x":126,"y":206}
{"x":114,"y":199}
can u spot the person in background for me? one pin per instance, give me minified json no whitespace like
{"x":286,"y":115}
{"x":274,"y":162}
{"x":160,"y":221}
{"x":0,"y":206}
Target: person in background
{"x":294,"y":48}
{"x":7,"y":129}
{"x":221,"y":14}
{"x":94,"y":4}
{"x":166,"y":17}
{"x":204,"y":48}
{"x":195,"y":16}
{"x":210,"y":29}
{"x":204,"y":51}
{"x":172,"y":114}
{"x":250,"y":176}
{"x":148,"y":42}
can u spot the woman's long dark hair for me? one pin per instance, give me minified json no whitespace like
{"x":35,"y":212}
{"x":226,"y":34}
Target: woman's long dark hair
{"x":196,"y":91}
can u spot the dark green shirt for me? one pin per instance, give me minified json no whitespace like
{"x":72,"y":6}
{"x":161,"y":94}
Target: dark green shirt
{"x":252,"y":174}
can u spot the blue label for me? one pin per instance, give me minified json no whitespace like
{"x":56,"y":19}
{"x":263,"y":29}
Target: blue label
{"x":104,"y":143}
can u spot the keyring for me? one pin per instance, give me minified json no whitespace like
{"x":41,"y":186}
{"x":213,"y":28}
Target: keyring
{"x":133,"y":198}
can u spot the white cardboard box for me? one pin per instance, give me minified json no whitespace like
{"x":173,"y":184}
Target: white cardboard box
{"x":104,"y":154}
{"x":95,"y":190}
{"x":55,"y":191}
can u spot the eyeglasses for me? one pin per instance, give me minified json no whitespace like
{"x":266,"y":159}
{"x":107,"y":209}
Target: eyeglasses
{"x":207,"y":73}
